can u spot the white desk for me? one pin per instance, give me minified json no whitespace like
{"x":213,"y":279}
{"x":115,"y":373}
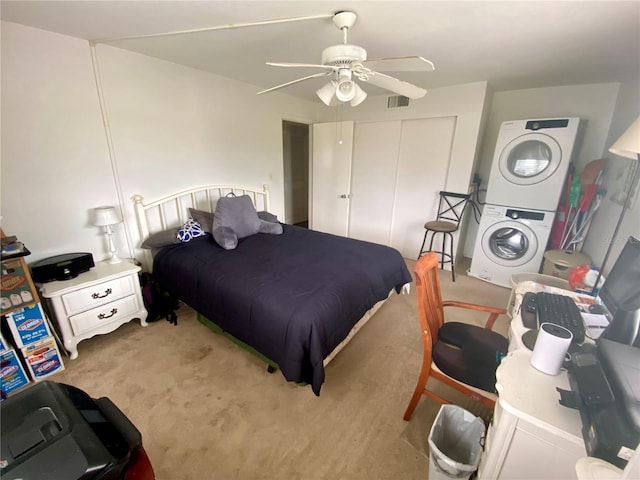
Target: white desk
{"x":531,"y":435}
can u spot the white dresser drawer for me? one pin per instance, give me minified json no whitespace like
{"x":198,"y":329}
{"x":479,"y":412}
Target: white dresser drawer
{"x":100,"y":294}
{"x":113,"y":312}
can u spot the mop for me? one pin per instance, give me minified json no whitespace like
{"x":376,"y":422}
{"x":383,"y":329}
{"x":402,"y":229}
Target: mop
{"x":574,"y":203}
{"x":590,"y":180}
{"x":578,"y":235}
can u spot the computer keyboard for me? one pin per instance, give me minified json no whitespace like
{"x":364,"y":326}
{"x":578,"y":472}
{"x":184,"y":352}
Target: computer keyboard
{"x":561,"y":310}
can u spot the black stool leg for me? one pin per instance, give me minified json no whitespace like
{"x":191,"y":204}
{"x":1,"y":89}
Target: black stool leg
{"x":453,"y":275}
{"x":433,"y":234}
{"x":426,"y":232}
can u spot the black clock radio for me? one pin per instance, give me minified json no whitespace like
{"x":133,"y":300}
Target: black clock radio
{"x":61,"y":267}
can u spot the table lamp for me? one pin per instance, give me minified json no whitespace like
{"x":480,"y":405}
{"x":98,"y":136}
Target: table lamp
{"x":106,"y":217}
{"x":628,"y":146}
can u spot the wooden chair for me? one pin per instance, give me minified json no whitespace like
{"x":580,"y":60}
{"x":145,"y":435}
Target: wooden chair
{"x":461,"y":355}
{"x":451,"y":207}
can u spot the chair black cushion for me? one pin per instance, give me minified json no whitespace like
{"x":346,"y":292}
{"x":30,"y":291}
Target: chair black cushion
{"x":470,"y":354}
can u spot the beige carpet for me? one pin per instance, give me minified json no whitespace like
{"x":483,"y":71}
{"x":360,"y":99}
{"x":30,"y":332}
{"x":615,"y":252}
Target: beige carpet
{"x":209,"y":410}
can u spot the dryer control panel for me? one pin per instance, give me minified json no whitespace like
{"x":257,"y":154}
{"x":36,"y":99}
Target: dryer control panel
{"x":525,"y":214}
{"x":538,"y":124}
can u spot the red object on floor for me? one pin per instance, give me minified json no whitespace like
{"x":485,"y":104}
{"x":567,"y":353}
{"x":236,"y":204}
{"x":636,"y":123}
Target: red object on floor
{"x":555,"y":239}
{"x":140,"y":468}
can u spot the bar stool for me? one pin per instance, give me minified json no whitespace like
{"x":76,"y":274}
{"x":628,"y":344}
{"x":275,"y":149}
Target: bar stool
{"x":450,"y":211}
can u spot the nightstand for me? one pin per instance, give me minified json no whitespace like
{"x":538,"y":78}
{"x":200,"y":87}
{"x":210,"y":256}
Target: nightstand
{"x":95,"y":302}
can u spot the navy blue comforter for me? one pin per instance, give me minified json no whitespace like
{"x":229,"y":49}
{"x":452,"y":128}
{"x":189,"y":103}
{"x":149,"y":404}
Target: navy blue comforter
{"x":293,"y":297}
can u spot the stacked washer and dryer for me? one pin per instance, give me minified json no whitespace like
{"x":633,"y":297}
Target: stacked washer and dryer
{"x":528,"y":173}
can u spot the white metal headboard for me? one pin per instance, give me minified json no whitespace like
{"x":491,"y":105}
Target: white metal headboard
{"x":173,"y":210}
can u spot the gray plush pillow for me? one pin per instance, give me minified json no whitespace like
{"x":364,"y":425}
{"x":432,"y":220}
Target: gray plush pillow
{"x":267,"y":217}
{"x":237,"y":213}
{"x":270,"y":227}
{"x":225,"y":237}
{"x":205,"y":219}
{"x":161,"y":239}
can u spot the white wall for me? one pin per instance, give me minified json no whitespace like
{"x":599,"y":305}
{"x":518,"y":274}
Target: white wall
{"x":171,"y":127}
{"x":594,"y":104}
{"x":174,"y":128}
{"x":55,"y":164}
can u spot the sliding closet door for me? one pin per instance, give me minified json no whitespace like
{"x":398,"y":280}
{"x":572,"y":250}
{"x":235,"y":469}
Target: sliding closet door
{"x":331,"y":177}
{"x":425,"y":153}
{"x":375,"y":161}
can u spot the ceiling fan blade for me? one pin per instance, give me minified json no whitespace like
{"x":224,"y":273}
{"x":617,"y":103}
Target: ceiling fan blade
{"x":315,"y":75}
{"x":399,"y":64}
{"x":393,"y":84}
{"x":301,"y":65}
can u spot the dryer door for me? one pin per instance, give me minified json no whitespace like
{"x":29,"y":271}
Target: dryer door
{"x":509,"y":243}
{"x":530,"y":158}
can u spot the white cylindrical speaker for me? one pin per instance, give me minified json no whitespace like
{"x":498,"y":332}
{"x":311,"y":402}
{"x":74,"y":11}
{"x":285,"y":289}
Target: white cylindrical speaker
{"x":551,"y":347}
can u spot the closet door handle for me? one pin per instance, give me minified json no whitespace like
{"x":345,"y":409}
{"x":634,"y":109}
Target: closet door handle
{"x":345,"y":195}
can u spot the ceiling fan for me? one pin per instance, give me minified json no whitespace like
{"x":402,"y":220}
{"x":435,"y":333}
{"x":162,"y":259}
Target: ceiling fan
{"x":344,"y":62}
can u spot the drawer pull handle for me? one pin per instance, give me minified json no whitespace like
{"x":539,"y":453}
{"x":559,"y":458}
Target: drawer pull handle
{"x":107,"y":292}
{"x":102,"y":316}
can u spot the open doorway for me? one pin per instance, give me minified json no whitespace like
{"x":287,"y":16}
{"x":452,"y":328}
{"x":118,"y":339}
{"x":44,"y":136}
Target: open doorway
{"x":295,"y":148}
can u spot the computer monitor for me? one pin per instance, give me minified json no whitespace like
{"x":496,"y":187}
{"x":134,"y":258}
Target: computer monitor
{"x":621,"y":288}
{"x":620,"y":294}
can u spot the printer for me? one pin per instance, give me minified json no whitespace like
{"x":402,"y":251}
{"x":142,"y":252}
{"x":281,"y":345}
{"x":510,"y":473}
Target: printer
{"x":605,"y":383}
{"x":53,"y":431}
{"x":605,"y":376}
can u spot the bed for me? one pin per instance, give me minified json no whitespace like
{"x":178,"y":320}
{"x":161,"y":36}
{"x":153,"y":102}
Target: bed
{"x":296,"y":297}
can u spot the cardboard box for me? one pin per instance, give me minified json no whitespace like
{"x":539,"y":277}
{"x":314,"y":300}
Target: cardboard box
{"x":28,"y":325}
{"x":43,"y":359}
{"x":17,"y":289}
{"x":12,"y":375}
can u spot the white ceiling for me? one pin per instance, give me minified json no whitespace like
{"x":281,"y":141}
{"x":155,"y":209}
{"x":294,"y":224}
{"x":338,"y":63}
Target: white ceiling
{"x":511,"y":44}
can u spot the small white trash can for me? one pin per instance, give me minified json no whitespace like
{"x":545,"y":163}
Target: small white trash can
{"x":455,"y":443}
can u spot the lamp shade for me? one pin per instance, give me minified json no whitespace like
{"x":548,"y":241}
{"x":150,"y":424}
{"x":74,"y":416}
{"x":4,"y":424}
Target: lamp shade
{"x":327,"y":92}
{"x":103,"y":216}
{"x":628,"y":145}
{"x":359,"y":96}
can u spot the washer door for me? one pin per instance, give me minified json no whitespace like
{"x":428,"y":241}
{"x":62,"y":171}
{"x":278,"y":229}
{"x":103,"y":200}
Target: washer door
{"x":509,"y":243}
{"x":530,"y":158}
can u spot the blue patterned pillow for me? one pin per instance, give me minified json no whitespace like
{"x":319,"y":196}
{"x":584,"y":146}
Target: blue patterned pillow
{"x":190,"y":230}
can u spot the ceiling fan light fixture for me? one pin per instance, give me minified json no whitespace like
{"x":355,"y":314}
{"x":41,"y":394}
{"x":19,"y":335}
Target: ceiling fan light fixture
{"x":327,"y":92}
{"x":359,"y":97}
{"x":347,"y":62}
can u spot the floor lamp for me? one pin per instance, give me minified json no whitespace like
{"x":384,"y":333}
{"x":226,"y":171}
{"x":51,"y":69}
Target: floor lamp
{"x":628,"y":146}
